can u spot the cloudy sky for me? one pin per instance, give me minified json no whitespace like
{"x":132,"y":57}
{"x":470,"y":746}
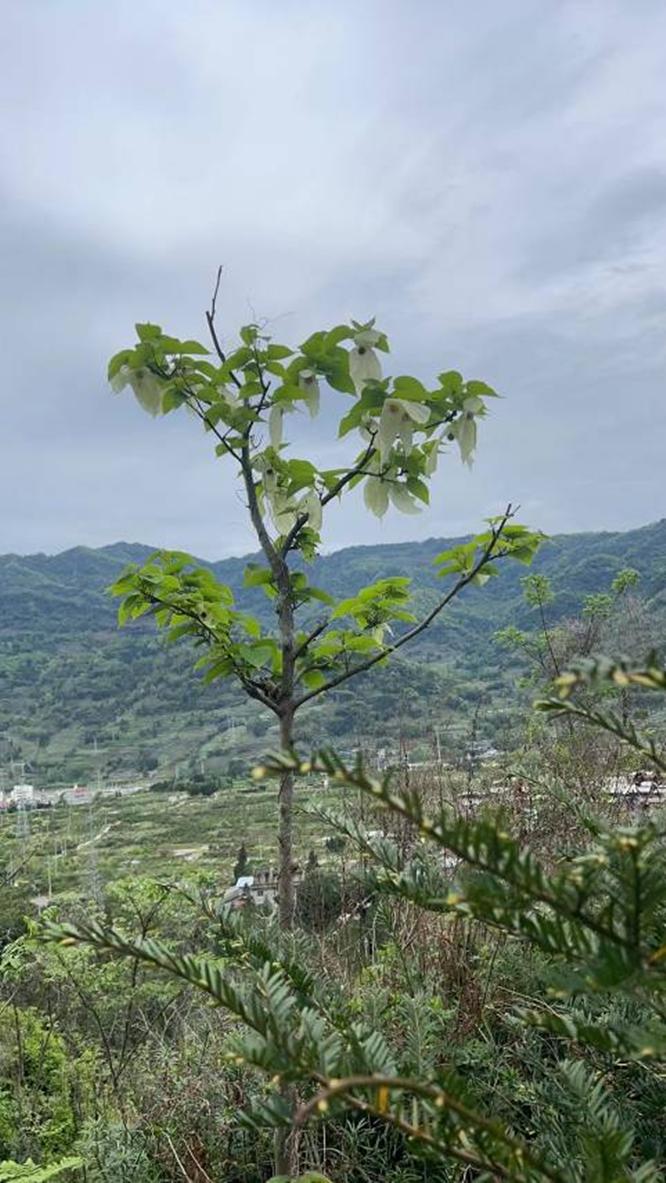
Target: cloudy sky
{"x":488,"y":179}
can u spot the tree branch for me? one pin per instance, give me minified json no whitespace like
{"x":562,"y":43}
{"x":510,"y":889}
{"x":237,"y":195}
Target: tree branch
{"x":210,"y":321}
{"x":252,"y":687}
{"x":312,"y":636}
{"x":442,"y":1099}
{"x":488,"y":556}
{"x":301,"y":520}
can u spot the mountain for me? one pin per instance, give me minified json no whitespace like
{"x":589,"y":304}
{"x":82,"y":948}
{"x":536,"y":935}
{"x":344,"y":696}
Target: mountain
{"x":78,"y":696}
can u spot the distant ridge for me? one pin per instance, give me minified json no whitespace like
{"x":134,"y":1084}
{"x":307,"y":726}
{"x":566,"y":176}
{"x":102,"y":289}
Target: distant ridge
{"x":62,"y":586}
{"x":78,"y":695}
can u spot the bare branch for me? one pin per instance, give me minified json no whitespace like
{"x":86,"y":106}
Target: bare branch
{"x":210,"y":321}
{"x":210,"y":317}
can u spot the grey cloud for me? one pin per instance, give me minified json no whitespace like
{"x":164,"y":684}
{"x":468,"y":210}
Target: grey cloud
{"x":488,"y":180}
{"x":611,"y":228}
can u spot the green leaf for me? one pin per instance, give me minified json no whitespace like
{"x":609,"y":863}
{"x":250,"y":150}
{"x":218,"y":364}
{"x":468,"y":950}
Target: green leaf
{"x":338,"y":334}
{"x":118,"y":361}
{"x":418,"y":488}
{"x":259,"y":653}
{"x":480,"y":389}
{"x":451,"y":383}
{"x":30,"y":1172}
{"x":313,"y":679}
{"x":302,"y":475}
{"x":255,"y":575}
{"x":172,"y":400}
{"x":410,"y":388}
{"x":148,"y":332}
{"x":351,"y":420}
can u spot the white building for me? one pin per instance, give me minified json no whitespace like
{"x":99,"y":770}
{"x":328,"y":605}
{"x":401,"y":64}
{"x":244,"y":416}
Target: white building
{"x":23,"y":794}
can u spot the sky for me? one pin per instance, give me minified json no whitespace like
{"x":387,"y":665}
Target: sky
{"x":487,"y":179}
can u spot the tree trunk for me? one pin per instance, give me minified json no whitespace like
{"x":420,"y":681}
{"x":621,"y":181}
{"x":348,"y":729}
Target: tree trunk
{"x":285,"y":830}
{"x":285,"y":1146}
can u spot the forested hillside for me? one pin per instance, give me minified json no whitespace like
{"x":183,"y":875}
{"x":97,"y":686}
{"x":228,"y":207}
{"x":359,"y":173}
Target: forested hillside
{"x":79,"y":697}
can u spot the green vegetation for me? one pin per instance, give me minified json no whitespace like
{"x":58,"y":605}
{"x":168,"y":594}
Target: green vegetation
{"x":524,"y":1039}
{"x":459,"y":971}
{"x":315,"y":642}
{"x":78,"y":697}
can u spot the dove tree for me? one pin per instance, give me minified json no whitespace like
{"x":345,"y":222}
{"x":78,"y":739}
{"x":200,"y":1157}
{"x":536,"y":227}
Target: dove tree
{"x":247,"y":398}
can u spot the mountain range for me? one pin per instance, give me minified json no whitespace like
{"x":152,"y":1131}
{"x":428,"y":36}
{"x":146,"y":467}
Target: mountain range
{"x":80,"y":698}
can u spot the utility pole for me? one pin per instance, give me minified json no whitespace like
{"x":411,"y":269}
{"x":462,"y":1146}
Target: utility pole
{"x":438,"y":745}
{"x":22,"y":825}
{"x":94,"y":882}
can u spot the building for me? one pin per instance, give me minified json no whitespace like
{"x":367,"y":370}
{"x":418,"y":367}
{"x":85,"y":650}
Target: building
{"x":260,"y":889}
{"x":23,"y":795}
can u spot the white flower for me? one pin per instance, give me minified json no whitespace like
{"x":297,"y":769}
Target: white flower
{"x":474,"y":404}
{"x":364,"y":366}
{"x":402,"y":499}
{"x":397,"y":420}
{"x":284,"y":517}
{"x":272,"y":492}
{"x":147,"y":389}
{"x":375,"y":495}
{"x":465,"y":433}
{"x":311,"y":505}
{"x":368,"y":337}
{"x":121,"y":379}
{"x":230,"y":397}
{"x":368,"y":428}
{"x":432,"y":457}
{"x":275,"y":418}
{"x":307,"y":380}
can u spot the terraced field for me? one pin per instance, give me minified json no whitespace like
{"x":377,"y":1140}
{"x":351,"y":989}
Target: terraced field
{"x":73,"y":848}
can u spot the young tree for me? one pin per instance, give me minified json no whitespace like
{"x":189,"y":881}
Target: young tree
{"x":244,"y":398}
{"x":597,"y":922}
{"x":608,"y":620}
{"x":242,"y":862}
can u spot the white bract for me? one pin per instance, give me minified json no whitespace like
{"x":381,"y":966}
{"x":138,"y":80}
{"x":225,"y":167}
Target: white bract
{"x":272,"y":494}
{"x":121,"y":379}
{"x":375,"y":495}
{"x":465,"y":433}
{"x":147,"y":387}
{"x":397,"y":420}
{"x":432,"y":456}
{"x":311,"y":505}
{"x":402,"y":499}
{"x":307,"y":381}
{"x":230,"y":397}
{"x":367,"y":337}
{"x":385,"y":487}
{"x":364,"y":366}
{"x":275,"y":424}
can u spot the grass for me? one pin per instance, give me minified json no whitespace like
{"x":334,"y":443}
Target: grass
{"x":156,"y":834}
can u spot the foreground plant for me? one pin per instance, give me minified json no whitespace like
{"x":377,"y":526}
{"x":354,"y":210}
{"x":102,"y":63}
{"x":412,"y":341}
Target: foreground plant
{"x":30,"y":1172}
{"x":246,"y":398}
{"x":599,"y":919}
